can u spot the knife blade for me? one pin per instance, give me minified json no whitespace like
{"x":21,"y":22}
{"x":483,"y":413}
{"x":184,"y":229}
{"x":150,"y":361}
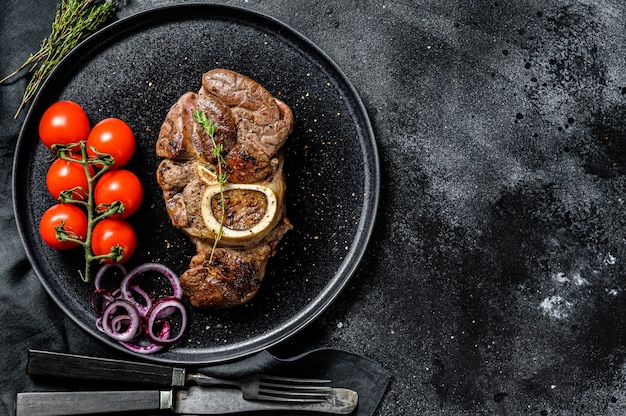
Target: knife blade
{"x":196,"y":400}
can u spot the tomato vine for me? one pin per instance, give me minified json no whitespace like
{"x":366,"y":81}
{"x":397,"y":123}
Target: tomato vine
{"x":102,"y":162}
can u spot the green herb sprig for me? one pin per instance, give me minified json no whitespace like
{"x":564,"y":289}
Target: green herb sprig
{"x":74,"y":21}
{"x":209,"y":128}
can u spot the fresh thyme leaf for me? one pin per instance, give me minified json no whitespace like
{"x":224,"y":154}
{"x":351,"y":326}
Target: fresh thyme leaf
{"x":74,"y":20}
{"x":217,"y":149}
{"x":211,"y":131}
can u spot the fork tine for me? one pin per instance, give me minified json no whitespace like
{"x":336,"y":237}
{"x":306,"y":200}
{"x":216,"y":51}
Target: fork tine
{"x":293,"y":380}
{"x":293,"y":389}
{"x":286,"y":396}
{"x":279,"y":388}
{"x":283,"y":398}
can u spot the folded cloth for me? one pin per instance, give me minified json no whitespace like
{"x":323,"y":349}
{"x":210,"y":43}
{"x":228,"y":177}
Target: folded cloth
{"x":368,"y":378}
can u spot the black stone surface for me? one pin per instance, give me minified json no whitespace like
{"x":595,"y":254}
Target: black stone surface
{"x":494,"y":283}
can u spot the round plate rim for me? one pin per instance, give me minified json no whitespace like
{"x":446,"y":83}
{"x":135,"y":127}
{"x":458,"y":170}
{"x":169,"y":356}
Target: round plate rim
{"x":368,"y":211}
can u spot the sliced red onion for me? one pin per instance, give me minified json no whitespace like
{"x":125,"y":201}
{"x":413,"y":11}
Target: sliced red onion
{"x":148,"y":347}
{"x":118,"y":322}
{"x":102,"y":298}
{"x":167,"y":303}
{"x":142,"y":349}
{"x":108,"y":320}
{"x":126,"y":284}
{"x":97,"y":281}
{"x":129,"y":312}
{"x":142,"y":308}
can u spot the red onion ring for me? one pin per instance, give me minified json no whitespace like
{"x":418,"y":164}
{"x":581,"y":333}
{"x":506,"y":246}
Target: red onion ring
{"x":154,"y":267}
{"x":141,"y":348}
{"x":149,"y":348}
{"x":105,"y":299}
{"x":128,"y":312}
{"x":153,"y":315}
{"x":97,"y":281}
{"x":108,"y":321}
{"x":143,"y":309}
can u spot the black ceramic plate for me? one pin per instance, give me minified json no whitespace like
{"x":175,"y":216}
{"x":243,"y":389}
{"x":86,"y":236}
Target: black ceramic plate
{"x":135,"y":69}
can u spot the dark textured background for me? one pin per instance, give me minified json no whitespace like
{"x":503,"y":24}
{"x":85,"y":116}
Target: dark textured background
{"x":494,"y":283}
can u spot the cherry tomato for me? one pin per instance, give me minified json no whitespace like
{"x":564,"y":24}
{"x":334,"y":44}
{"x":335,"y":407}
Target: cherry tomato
{"x":64,"y":122}
{"x":114,"y":137}
{"x":73,"y":219}
{"x":119,"y":185}
{"x":64,"y":175}
{"x":109,"y":233}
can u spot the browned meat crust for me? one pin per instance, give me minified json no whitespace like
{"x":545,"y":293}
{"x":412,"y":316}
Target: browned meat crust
{"x":265,"y":121}
{"x":181,"y":138}
{"x":234,"y":276}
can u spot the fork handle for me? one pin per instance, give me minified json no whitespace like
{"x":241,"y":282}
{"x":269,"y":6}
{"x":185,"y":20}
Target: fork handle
{"x":91,"y":402}
{"x":63,"y":365}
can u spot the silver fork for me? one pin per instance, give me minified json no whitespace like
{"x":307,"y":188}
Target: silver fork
{"x":255,"y":387}
{"x":274,"y":388}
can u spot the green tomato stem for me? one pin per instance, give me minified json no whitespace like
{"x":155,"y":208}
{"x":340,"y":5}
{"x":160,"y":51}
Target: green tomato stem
{"x":103,"y":161}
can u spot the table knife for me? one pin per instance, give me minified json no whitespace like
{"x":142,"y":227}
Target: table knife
{"x":64,"y":365}
{"x":196,"y":400}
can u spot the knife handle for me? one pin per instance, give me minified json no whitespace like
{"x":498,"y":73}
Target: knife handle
{"x":91,"y":402}
{"x":48,"y":363}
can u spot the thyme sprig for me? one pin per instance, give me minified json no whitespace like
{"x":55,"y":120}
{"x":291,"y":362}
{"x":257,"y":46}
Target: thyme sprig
{"x":222,"y":177}
{"x":74,"y":21}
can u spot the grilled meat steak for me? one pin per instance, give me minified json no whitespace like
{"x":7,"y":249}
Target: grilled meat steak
{"x":182,"y":138}
{"x":251,"y":126}
{"x":232,"y":277}
{"x":192,"y":202}
{"x":264,"y":121}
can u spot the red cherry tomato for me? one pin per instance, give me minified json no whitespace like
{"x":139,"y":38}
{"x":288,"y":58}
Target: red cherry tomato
{"x":119,"y":185}
{"x":73,"y":219}
{"x":64,"y":122}
{"x":109,"y":233}
{"x":114,"y":137}
{"x":64,"y":175}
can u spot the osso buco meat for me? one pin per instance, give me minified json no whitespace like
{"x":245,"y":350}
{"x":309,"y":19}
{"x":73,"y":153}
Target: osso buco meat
{"x":251,"y":126}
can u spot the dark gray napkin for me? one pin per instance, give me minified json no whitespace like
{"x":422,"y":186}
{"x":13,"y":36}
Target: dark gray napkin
{"x":368,"y":378}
